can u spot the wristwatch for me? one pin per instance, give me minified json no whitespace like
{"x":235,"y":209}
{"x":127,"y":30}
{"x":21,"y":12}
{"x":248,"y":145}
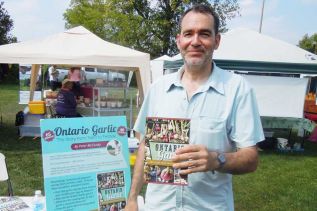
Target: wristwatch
{"x":221,"y":159}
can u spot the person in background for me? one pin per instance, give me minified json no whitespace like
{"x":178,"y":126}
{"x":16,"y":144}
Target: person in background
{"x":53,"y":78}
{"x":74,"y":75}
{"x":224,"y":123}
{"x":83,"y":75}
{"x":66,"y":101}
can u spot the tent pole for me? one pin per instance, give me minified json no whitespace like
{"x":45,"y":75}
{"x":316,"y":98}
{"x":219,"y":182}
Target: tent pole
{"x":34,"y":73}
{"x":260,"y":29}
{"x":139,"y":84}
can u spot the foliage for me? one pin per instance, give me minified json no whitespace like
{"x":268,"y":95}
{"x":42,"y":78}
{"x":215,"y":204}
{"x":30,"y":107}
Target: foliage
{"x":148,"y":26}
{"x":309,"y":43}
{"x":6,"y":25}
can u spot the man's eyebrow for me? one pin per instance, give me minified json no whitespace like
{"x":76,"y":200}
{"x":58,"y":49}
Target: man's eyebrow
{"x":200,"y":31}
{"x":207,"y":30}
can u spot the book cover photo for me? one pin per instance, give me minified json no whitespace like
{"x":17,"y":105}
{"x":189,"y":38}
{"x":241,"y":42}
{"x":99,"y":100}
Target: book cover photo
{"x":163,"y":137}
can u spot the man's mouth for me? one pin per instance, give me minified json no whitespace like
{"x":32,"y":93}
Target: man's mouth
{"x":195,"y":53}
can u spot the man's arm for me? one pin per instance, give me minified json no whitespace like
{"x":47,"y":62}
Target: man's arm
{"x":138,"y":179}
{"x":196,"y":158}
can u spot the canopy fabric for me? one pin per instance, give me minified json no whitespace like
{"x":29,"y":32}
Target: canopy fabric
{"x":279,"y":96}
{"x":248,"y":50}
{"x":78,"y":46}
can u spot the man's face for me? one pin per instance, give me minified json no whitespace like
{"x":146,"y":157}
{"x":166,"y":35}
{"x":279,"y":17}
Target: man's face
{"x":197,"y":39}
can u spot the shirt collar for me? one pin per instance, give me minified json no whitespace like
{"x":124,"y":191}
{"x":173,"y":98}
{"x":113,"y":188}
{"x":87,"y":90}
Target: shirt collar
{"x":214,"y":81}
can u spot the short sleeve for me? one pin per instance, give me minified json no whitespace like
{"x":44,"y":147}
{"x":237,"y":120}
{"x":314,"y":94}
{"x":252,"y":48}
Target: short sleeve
{"x":245,"y":122}
{"x":141,"y":119}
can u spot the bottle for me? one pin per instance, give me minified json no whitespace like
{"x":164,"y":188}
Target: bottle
{"x":38,"y":201}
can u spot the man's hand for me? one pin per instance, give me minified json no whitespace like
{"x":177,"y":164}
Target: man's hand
{"x":132,"y":205}
{"x":195,"y":158}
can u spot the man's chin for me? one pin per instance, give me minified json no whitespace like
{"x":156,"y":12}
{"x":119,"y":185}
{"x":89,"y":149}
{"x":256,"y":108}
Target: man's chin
{"x":194,"y":62}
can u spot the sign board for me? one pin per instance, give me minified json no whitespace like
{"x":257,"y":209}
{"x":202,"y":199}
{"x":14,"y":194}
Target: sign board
{"x":85,"y":163}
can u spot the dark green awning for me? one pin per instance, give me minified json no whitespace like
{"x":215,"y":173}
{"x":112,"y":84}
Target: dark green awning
{"x":254,"y":66}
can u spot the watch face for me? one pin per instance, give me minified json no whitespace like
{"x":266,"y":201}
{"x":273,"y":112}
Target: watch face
{"x":221,"y":158}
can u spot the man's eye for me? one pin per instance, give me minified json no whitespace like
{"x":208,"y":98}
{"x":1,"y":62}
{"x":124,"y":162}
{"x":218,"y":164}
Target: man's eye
{"x":187,"y":34}
{"x":205,"y":35}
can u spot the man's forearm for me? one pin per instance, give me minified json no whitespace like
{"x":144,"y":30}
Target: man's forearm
{"x":138,"y":178}
{"x":243,"y":161}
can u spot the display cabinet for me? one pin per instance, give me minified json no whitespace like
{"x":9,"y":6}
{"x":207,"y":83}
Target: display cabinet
{"x":111,"y":101}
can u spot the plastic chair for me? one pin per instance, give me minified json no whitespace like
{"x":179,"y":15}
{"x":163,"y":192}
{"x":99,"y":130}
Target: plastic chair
{"x":4,"y":176}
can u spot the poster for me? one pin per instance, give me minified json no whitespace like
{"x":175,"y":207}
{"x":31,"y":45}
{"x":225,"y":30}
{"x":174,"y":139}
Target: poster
{"x":85,"y":163}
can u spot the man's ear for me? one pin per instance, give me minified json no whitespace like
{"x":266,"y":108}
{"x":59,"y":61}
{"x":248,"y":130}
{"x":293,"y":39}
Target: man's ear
{"x":217,"y":40}
{"x":177,"y":40}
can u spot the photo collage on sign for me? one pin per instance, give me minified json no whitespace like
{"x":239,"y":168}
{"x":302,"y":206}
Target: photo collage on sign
{"x":111,"y":191}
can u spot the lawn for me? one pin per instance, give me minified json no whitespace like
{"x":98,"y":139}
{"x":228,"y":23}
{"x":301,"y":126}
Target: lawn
{"x":283,"y":181}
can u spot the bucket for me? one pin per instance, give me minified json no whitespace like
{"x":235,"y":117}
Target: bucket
{"x":37,"y":107}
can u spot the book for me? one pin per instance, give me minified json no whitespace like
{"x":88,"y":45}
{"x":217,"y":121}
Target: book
{"x":163,"y":137}
{"x":111,"y":190}
{"x":13,"y":204}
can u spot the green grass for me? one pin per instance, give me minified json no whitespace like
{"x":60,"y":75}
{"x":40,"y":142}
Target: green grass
{"x":23,"y":156}
{"x":283,"y":181}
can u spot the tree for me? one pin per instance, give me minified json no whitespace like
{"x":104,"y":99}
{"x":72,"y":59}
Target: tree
{"x":309,"y":43}
{"x":6,"y":25}
{"x":149,"y":26}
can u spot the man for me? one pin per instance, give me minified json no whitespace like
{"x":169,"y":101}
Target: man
{"x":53,"y":77}
{"x":225,"y":124}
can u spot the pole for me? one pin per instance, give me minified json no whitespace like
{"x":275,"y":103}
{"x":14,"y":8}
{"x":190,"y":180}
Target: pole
{"x":260,"y":29}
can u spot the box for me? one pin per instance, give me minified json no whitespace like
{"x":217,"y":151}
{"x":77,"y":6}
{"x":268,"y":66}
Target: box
{"x":37,"y":107}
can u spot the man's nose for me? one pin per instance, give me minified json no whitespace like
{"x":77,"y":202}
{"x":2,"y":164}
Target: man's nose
{"x":196,"y":40}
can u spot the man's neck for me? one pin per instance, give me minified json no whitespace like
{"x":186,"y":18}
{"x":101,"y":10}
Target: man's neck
{"x":192,"y":78}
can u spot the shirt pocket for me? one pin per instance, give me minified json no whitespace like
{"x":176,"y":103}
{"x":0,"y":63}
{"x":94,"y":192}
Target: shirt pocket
{"x":210,"y":132}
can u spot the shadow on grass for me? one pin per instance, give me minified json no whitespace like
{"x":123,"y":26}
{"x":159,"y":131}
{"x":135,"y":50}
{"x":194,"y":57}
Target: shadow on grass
{"x":10,"y":140}
{"x":310,"y":150}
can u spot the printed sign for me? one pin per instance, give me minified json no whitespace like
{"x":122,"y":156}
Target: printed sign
{"x":85,"y":163}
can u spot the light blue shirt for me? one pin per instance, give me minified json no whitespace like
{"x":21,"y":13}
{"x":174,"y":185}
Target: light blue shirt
{"x":224,"y":116}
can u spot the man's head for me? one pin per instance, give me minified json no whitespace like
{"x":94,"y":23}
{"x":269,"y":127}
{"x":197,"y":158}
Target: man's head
{"x":72,"y":69}
{"x":204,"y":10}
{"x":198,"y":37}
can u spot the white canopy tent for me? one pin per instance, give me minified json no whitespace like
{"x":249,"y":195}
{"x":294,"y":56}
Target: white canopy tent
{"x":78,"y":47}
{"x":157,"y":66}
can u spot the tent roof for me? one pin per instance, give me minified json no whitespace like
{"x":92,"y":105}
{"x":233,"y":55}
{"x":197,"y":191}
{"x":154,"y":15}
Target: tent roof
{"x":244,"y":49}
{"x":77,"y":46}
{"x":248,"y":45}
{"x":68,"y":47}
{"x":163,"y":58}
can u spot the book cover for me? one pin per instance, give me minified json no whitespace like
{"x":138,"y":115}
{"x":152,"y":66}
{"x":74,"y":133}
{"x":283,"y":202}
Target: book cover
{"x":111,"y":191}
{"x":13,"y":204}
{"x":163,"y":137}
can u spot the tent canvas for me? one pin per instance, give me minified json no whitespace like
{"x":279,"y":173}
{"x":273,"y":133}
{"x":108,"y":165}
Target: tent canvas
{"x":279,"y":96}
{"x":78,"y":47}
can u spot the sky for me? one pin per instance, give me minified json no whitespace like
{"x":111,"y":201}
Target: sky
{"x":287,"y":20}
